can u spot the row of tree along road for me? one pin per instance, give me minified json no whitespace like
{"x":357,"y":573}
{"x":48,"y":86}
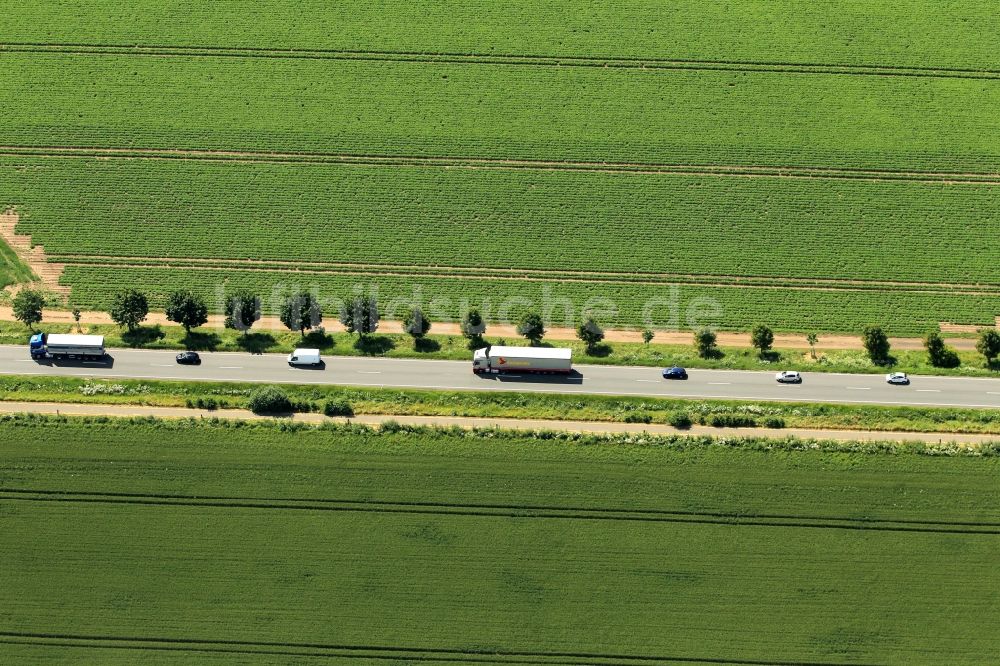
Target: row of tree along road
{"x":301,"y":311}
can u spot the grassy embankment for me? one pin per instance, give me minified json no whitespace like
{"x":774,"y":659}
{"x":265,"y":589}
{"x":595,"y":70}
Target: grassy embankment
{"x":12,"y":269}
{"x":166,"y":541}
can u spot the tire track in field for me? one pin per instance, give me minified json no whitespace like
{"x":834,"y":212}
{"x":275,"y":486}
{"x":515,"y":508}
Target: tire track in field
{"x":419,"y":654}
{"x":486,"y":163}
{"x":502,"y":511}
{"x":377,"y":272}
{"x":510,"y":60}
{"x":488,"y":272}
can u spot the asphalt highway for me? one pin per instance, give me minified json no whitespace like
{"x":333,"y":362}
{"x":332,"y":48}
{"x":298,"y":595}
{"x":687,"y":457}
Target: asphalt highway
{"x":589,"y":379}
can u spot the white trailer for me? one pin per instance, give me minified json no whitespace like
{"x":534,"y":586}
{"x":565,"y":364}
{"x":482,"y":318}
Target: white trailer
{"x":522,"y":359}
{"x":57,"y":345}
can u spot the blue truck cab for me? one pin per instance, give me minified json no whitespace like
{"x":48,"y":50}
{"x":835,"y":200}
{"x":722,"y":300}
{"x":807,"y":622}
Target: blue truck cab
{"x":37,"y":345}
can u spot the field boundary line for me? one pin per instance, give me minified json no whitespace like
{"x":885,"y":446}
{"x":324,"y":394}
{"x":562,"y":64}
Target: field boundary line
{"x":506,"y":164}
{"x":504,"y":511}
{"x":515,"y":60}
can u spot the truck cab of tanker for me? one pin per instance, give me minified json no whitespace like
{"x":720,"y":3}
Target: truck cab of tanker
{"x":481,"y":360}
{"x":36,"y":345}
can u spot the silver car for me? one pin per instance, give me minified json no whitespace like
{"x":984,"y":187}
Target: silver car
{"x":788,"y":377}
{"x":897,"y":378}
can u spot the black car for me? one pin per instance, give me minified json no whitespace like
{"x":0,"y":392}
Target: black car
{"x":675,"y":373}
{"x":189,"y":358}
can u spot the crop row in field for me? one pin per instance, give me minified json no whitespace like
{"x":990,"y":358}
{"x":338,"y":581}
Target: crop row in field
{"x":498,"y":111}
{"x":318,"y":557}
{"x":594,"y":278}
{"x":529,"y":220}
{"x":628,"y":304}
{"x":893,"y":32}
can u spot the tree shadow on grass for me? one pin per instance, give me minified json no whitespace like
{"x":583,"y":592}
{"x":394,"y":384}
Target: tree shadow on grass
{"x":201,"y":341}
{"x":887,"y":362}
{"x":770,"y":356}
{"x":714,"y":354}
{"x":319,"y":339}
{"x":374,"y":346}
{"x":602,"y":350}
{"x":256,"y":343}
{"x":426,"y":345}
{"x":143,"y":335}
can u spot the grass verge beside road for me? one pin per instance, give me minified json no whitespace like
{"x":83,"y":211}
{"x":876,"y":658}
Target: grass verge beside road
{"x":267,"y":537}
{"x":447,"y":347}
{"x":367,"y":400}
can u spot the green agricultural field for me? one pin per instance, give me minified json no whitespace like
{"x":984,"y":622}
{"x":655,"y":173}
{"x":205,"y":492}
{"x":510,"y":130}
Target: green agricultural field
{"x":838,"y":168}
{"x":906,"y":33}
{"x":525,"y":112}
{"x":392,"y":228}
{"x":259,"y":540}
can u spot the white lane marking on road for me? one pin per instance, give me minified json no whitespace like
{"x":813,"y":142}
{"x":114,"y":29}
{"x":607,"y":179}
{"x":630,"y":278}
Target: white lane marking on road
{"x":993,"y":393}
{"x":230,"y":367}
{"x":859,"y":388}
{"x":719,"y":383}
{"x":649,"y":381}
{"x":928,"y":390}
{"x":369,"y":372}
{"x":163,"y":365}
{"x":25,"y":360}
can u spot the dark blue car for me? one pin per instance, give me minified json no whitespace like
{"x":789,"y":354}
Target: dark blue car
{"x":675,"y":373}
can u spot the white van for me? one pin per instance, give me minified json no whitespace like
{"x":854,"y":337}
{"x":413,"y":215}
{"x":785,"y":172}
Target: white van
{"x":304,"y":357}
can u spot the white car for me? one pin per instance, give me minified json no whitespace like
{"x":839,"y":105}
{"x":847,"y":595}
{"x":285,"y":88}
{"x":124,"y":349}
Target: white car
{"x":788,"y":377}
{"x":897,"y":378}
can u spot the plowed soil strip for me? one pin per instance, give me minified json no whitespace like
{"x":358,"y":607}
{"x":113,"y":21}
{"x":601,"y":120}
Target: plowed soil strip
{"x":484,"y":163}
{"x":499,"y":511}
{"x":616,"y":62}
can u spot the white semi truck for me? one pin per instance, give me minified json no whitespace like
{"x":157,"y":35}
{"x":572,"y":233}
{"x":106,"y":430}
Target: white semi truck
{"x":522,"y":359}
{"x":55,"y":345}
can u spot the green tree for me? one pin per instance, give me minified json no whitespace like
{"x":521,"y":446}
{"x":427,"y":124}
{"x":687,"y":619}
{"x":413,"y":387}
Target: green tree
{"x":590,"y":333}
{"x":939,"y":355}
{"x":28,"y":304}
{"x":647,"y":336}
{"x":762,"y":338}
{"x":812,"y":339}
{"x":242,"y":310}
{"x":76,"y":318}
{"x":704,"y":342}
{"x":415,"y":324}
{"x":186,"y":308}
{"x":531,"y":327}
{"x":473,"y":327}
{"x":129,"y":308}
{"x":359,"y":314}
{"x":300,"y":312}
{"x":988,"y":344}
{"x":876,"y":343}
